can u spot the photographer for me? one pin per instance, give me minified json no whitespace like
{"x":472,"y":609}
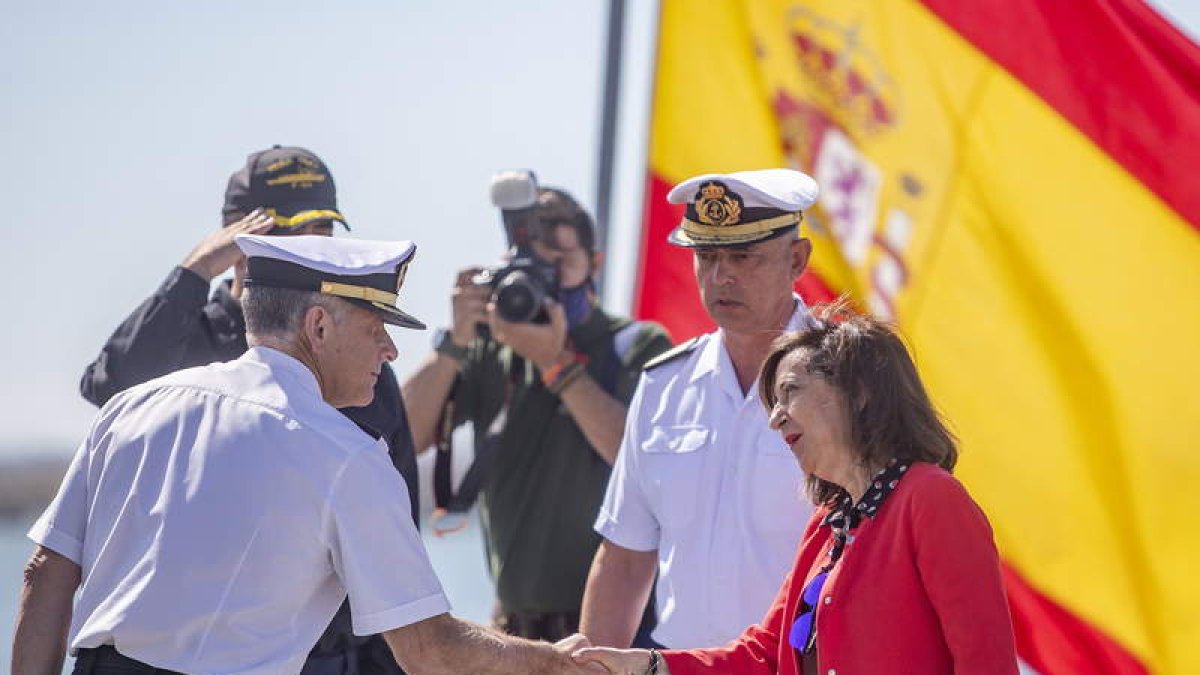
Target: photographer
{"x":547,"y":397}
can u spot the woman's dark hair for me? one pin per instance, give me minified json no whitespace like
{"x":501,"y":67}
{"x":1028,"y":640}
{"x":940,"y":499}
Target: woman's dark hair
{"x":890,"y":412}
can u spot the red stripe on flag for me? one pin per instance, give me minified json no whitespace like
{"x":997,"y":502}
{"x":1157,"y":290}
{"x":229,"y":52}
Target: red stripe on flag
{"x":1056,"y":642}
{"x":1115,"y":69}
{"x":666,"y":289}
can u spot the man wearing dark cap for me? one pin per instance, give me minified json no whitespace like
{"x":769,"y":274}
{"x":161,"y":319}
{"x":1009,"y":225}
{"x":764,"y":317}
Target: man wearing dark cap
{"x":703,"y":492}
{"x":184,"y":563}
{"x":280,"y":191}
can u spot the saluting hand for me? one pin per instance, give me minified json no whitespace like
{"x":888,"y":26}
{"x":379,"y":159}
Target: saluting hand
{"x":218,"y":252}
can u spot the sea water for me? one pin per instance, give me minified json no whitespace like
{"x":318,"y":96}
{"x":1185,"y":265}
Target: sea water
{"x":458,"y":559}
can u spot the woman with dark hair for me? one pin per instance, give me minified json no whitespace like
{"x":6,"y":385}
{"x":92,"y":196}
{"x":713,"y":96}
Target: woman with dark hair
{"x":897,"y":571}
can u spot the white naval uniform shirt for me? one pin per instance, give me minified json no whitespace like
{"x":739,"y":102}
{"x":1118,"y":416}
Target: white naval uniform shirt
{"x":221,"y":514}
{"x":703,"y":480}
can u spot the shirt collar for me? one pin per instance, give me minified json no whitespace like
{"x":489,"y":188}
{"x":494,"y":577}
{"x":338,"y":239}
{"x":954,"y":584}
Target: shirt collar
{"x":714,"y":358}
{"x":845,"y":517}
{"x":882,"y":484}
{"x":287,"y":369}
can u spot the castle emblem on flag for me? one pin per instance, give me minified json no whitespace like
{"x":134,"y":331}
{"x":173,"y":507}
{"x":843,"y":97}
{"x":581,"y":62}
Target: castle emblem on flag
{"x":716,"y":205}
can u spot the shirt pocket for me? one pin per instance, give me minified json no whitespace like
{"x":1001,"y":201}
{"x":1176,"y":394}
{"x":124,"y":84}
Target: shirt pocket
{"x":673,"y":458}
{"x":777,"y":495}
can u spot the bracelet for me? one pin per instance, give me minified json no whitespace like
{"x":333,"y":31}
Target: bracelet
{"x":655,"y":660}
{"x":551,"y":374}
{"x":568,"y":375}
{"x":565,"y":363}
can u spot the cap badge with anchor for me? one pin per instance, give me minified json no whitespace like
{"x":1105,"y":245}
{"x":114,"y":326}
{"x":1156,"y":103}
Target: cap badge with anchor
{"x":740,"y":208}
{"x":715,"y":205}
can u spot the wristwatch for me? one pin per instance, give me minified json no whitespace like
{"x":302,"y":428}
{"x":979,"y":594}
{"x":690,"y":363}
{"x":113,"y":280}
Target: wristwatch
{"x":443,"y":343}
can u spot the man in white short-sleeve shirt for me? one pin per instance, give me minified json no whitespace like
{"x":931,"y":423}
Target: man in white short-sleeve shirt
{"x":703,"y":492}
{"x":214,"y":519}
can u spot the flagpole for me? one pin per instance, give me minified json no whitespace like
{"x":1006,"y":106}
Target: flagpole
{"x":608,"y":124}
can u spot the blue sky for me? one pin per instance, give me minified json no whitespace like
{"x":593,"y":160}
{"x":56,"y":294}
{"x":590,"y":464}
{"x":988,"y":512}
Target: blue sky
{"x":120,"y":122}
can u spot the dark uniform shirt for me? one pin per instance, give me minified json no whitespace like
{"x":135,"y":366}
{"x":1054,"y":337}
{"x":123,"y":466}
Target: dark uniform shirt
{"x":180,"y":327}
{"x":546,"y":482}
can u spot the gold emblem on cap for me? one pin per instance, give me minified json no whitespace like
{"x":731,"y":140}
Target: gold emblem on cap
{"x":302,"y":218}
{"x":716,"y":206}
{"x":302,"y":179}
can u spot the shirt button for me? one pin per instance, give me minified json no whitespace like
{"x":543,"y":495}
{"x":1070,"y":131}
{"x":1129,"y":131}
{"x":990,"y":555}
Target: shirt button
{"x":832,"y":671}
{"x":828,"y":599}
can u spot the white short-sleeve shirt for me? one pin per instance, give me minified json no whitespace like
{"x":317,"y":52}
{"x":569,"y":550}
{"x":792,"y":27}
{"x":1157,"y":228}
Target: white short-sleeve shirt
{"x":221,"y":514}
{"x":703,"y":480}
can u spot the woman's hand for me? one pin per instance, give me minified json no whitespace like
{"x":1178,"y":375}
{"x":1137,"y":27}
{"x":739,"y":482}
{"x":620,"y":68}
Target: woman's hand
{"x":619,"y":661}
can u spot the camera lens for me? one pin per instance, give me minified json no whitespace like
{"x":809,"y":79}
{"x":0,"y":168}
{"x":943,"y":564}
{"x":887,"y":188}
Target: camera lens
{"x":517,"y":298}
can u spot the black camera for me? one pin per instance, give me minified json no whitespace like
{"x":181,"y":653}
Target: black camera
{"x":521,"y":285}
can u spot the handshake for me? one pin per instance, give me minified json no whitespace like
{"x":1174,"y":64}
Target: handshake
{"x":589,"y":659}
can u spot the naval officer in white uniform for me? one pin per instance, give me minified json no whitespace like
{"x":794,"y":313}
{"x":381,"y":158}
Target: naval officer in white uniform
{"x":703,"y":492}
{"x":213,"y":520}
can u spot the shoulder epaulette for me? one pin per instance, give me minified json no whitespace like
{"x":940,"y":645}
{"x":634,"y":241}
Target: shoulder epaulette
{"x":672,"y":353}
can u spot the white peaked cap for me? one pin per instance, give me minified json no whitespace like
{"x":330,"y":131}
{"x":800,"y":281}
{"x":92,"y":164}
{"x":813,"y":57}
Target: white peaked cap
{"x":367,"y":273}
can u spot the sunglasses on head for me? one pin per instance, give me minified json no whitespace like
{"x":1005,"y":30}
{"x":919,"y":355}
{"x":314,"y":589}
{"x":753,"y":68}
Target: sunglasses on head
{"x":802,"y":636}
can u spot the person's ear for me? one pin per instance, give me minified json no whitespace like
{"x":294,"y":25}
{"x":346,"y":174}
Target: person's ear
{"x":801,"y":250}
{"x":597,"y":261}
{"x":315,"y":325}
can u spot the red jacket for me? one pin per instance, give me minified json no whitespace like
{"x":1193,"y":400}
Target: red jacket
{"x":917,"y":591}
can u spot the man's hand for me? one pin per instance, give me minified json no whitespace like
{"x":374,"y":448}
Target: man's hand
{"x":444,"y":645}
{"x":618,"y":661}
{"x":572,"y":644}
{"x":218,"y":252}
{"x":468,"y":306}
{"x":539,"y":343}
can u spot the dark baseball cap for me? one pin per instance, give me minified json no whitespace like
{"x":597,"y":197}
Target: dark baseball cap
{"x":291,"y":184}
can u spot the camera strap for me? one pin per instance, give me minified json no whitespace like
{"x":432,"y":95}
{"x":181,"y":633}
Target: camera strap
{"x":450,"y":514}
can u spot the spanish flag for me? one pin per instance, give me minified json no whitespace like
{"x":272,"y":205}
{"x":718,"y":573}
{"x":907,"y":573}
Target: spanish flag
{"x":1015,"y":183}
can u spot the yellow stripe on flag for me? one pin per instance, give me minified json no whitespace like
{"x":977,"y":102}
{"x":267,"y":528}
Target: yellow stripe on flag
{"x":1057,"y":324}
{"x":707,"y":112}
